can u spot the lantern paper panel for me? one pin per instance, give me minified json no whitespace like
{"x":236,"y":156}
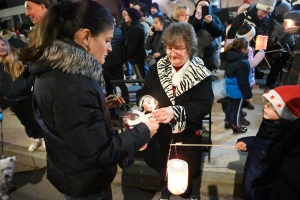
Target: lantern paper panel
{"x":261,"y":42}
{"x":177,"y":176}
{"x":288,"y":23}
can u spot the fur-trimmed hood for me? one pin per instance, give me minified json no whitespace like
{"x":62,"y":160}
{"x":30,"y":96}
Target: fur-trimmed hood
{"x":69,"y":57}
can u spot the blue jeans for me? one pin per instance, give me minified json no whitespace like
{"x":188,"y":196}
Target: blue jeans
{"x":104,"y":195}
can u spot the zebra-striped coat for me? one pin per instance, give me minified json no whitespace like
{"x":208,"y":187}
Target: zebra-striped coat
{"x":191,"y":103}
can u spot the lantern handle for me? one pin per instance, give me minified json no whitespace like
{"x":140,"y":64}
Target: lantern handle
{"x":203,"y":145}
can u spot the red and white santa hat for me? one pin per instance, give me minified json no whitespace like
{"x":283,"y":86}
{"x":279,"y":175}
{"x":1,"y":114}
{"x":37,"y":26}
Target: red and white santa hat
{"x":286,"y":101}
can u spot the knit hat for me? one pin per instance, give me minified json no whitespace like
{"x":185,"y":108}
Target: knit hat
{"x":267,"y":5}
{"x":248,"y":35}
{"x":243,"y":7}
{"x":155,"y":5}
{"x":282,"y":8}
{"x":45,"y":2}
{"x":134,"y":14}
{"x":285,"y":100}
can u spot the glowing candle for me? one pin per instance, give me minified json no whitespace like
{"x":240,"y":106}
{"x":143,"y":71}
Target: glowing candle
{"x":177,"y":176}
{"x":261,"y":42}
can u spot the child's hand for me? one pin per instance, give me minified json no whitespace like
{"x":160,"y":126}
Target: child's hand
{"x":241,"y":146}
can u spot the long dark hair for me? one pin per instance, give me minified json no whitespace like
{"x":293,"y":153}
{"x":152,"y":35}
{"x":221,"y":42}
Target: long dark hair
{"x":63,"y":20}
{"x":163,"y":20}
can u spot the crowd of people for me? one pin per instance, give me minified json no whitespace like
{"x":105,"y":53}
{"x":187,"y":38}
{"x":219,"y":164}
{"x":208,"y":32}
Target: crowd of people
{"x":77,"y":48}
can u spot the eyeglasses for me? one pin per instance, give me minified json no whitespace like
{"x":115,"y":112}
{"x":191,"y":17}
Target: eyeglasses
{"x":175,"y":50}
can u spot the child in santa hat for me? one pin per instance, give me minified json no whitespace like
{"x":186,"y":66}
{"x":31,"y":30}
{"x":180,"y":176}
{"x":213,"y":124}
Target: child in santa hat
{"x":273,"y":143}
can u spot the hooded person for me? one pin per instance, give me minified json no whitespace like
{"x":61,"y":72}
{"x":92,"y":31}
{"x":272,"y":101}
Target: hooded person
{"x":155,"y":10}
{"x":266,"y":174}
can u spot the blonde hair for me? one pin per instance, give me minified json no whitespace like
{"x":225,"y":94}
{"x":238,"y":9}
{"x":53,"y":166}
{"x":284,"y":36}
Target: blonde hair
{"x":178,"y":10}
{"x":11,"y":64}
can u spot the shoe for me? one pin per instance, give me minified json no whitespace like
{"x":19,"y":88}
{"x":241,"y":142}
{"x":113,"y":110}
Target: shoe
{"x":195,"y":197}
{"x":35,"y":144}
{"x":249,"y":106}
{"x":163,"y":197}
{"x":239,"y":129}
{"x":244,"y":114}
{"x":227,"y":125}
{"x":244,"y":122}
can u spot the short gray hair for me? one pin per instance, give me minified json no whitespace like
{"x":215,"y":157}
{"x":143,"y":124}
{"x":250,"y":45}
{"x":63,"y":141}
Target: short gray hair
{"x":181,"y":31}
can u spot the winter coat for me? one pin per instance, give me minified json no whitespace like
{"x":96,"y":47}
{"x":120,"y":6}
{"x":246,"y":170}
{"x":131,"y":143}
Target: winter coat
{"x":207,"y":34}
{"x":191,"y":103}
{"x":260,"y":179}
{"x":146,"y":23}
{"x":73,"y":108}
{"x":159,"y":13}
{"x":134,"y":43}
{"x":262,"y":27}
{"x":155,"y":41}
{"x":278,"y":34}
{"x":18,"y":89}
{"x":237,"y":75}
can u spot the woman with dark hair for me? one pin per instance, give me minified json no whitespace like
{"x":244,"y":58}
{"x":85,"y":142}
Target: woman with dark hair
{"x":181,"y":86}
{"x":154,"y":41}
{"x":69,"y":47}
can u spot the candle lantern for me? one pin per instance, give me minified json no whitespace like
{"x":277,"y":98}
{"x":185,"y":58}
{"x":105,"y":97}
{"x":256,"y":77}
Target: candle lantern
{"x":177,"y":176}
{"x":134,"y":117}
{"x":261,"y":42}
{"x":288,"y":23}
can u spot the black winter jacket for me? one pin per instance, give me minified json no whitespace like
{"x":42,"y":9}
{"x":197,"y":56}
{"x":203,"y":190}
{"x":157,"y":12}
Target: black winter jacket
{"x":155,"y":41}
{"x":73,"y":107}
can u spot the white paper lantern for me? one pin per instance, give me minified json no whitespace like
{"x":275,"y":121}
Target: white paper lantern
{"x":177,"y":176}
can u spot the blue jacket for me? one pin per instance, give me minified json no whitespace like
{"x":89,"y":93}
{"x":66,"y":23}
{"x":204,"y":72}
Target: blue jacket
{"x":237,"y":75}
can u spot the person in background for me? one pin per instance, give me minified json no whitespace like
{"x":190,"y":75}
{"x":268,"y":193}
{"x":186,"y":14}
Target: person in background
{"x":134,"y":41}
{"x":155,"y":10}
{"x":36,"y":9}
{"x":237,"y":76}
{"x":15,"y":86}
{"x":13,"y":40}
{"x":208,"y":30}
{"x":272,"y":167}
{"x":82,"y":148}
{"x":181,"y":87}
{"x":247,"y":31}
{"x":180,"y":14}
{"x":154,"y":41}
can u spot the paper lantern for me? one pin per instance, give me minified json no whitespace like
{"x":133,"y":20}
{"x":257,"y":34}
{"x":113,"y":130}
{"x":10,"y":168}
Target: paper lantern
{"x":177,"y":176}
{"x":261,"y":42}
{"x":288,"y":23}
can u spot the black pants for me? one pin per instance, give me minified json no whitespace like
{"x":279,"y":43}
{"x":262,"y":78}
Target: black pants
{"x":233,"y":111}
{"x":24,"y":112}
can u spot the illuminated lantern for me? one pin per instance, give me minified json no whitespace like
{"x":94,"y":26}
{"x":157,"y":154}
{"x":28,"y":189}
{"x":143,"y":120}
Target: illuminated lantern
{"x":261,"y":42}
{"x":288,"y":23}
{"x":177,"y":176}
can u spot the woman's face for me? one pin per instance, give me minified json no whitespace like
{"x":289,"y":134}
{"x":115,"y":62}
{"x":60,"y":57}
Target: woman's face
{"x":177,"y":53}
{"x":100,"y":45}
{"x":126,"y":17}
{"x":158,"y":25}
{"x":261,"y":14}
{"x":270,"y":112}
{"x":3,"y":48}
{"x":184,"y":16}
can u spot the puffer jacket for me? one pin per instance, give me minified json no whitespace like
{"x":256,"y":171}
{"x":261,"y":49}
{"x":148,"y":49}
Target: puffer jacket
{"x":73,"y":108}
{"x":237,"y":75}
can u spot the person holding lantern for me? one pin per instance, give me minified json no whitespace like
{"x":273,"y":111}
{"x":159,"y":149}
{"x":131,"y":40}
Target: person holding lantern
{"x":178,"y":93}
{"x":272,"y":166}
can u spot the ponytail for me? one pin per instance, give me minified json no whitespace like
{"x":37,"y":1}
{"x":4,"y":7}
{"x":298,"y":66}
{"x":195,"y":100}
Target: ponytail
{"x":237,"y":45}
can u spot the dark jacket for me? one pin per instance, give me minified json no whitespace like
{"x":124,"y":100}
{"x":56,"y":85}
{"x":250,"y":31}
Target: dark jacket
{"x":191,"y":103}
{"x":237,"y":75}
{"x":207,"y":34}
{"x":73,"y":107}
{"x":115,"y":57}
{"x":261,"y":180}
{"x":134,"y":43}
{"x":155,"y":41}
{"x":18,"y":89}
{"x":262,"y":27}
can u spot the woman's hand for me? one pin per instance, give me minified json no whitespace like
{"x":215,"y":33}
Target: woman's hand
{"x":152,"y":125}
{"x":292,"y":30}
{"x":163,"y":115}
{"x":113,"y":100}
{"x":156,"y":55}
{"x":150,"y":104}
{"x":241,"y":146}
{"x":208,"y":18}
{"x":151,"y":31}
